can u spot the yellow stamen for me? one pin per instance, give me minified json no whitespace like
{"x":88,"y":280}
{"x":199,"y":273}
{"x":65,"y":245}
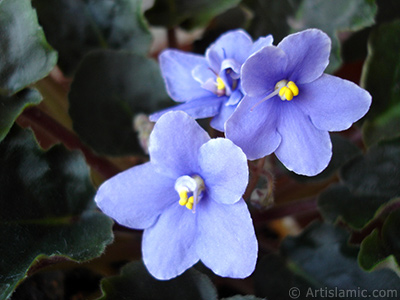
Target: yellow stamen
{"x":293,"y":87}
{"x":189,"y":205}
{"x":183,"y":197}
{"x":220,"y":84}
{"x":191,"y":199}
{"x":288,"y":94}
{"x":288,"y":90}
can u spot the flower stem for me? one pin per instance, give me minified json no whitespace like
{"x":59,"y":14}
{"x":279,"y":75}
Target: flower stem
{"x":172,"y":39}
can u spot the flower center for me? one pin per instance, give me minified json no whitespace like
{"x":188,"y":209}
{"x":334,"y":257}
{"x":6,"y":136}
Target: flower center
{"x":285,"y":89}
{"x":220,"y":86}
{"x":190,"y":190}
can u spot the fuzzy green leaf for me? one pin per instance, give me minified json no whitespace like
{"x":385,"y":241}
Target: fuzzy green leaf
{"x":187,"y":13}
{"x":25,"y":56}
{"x":109,"y":90}
{"x":47,"y":208}
{"x":136,"y":283}
{"x":381,"y":77}
{"x":76,"y":27}
{"x":12,"y":107}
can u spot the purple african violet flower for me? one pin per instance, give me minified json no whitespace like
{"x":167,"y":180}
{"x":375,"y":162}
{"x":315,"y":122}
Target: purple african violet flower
{"x":210,"y":86}
{"x":188,"y":200}
{"x":291,"y":104}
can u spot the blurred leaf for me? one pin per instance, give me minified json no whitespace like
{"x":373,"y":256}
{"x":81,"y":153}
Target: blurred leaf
{"x":273,"y":279}
{"x":271,"y":17}
{"x":342,"y":151}
{"x":388,"y":10}
{"x":338,"y":202}
{"x":47,"y":208}
{"x":381,"y":244}
{"x":109,"y":89}
{"x":377,"y":173}
{"x":236,"y":17}
{"x":136,"y":283}
{"x":381,"y":77}
{"x":187,"y":13}
{"x":76,"y":27}
{"x":332,"y":17}
{"x":25,"y":55}
{"x":12,"y":107}
{"x":319,"y":260}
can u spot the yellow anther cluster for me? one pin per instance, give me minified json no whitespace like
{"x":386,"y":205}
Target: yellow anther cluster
{"x":289,"y":91}
{"x":220,"y":84}
{"x":184,"y":200}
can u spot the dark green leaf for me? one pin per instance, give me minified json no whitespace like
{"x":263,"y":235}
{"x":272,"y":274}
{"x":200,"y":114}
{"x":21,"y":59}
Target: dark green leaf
{"x":381,"y":77}
{"x":338,"y":202}
{"x":109,"y":90}
{"x":76,"y":27}
{"x":319,"y":262}
{"x":333,"y":16}
{"x":377,"y":173}
{"x":382,"y":243}
{"x":322,"y":256}
{"x":25,"y":55}
{"x":271,"y":17}
{"x":12,"y":107}
{"x":273,"y":280}
{"x":47,"y":208}
{"x":190,"y":13}
{"x":136,"y":283}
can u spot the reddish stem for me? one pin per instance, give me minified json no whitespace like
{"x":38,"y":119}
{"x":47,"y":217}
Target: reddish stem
{"x":288,"y":209}
{"x":34,"y":117}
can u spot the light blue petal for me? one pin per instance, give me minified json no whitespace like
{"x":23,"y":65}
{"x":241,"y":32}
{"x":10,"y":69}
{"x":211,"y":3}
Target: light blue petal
{"x":174,"y":144}
{"x":136,"y":197}
{"x":227,"y":243}
{"x":255,"y":131}
{"x":202,"y":73}
{"x":234,"y":44}
{"x":263,"y":70}
{"x":261,"y":43}
{"x":333,"y":104}
{"x":235,"y":97}
{"x":218,"y":122}
{"x":304,"y":149}
{"x":176,"y":67}
{"x":223,"y":167}
{"x":169,"y":247}
{"x":308,"y":54}
{"x":197,"y":109}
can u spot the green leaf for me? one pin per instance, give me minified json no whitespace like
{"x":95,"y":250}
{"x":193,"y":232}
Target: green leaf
{"x":187,"y":13}
{"x":377,"y":173}
{"x":47,"y":208}
{"x":382,"y":243}
{"x":273,"y":279}
{"x":12,"y":107}
{"x":337,"y":202}
{"x":76,"y":27}
{"x":381,"y":77}
{"x":332,"y":17}
{"x":25,"y":55}
{"x":319,"y":261}
{"x":136,"y":283}
{"x":271,"y":17}
{"x":109,"y":90}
